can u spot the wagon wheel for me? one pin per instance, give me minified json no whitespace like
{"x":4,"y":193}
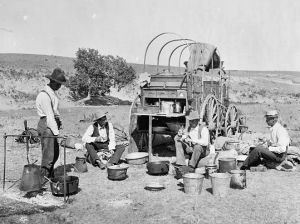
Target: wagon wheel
{"x":231,"y":121}
{"x":209,"y":112}
{"x":221,"y":120}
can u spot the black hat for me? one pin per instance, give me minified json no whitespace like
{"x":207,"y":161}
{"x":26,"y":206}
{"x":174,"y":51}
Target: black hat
{"x":58,"y":75}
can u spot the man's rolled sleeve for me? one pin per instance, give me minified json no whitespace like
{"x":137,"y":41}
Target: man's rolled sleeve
{"x":112,"y":139}
{"x":87,"y":137}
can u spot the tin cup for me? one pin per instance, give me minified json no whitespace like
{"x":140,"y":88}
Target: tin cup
{"x":211,"y":168}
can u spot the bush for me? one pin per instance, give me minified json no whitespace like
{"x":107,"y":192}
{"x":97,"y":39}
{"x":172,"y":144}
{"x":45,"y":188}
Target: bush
{"x":95,"y":74}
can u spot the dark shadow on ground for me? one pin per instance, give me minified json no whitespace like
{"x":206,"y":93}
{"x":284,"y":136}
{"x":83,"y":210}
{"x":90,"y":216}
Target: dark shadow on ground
{"x":106,"y":101}
{"x":163,"y":150}
{"x":209,"y":190}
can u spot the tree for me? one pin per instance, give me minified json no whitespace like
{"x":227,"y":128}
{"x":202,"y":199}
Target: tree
{"x":95,"y":74}
{"x":122,"y":73}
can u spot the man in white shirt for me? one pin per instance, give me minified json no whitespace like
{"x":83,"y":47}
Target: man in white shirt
{"x":272,"y":151}
{"x":194,"y":141}
{"x":100,"y":137}
{"x":47,"y":104}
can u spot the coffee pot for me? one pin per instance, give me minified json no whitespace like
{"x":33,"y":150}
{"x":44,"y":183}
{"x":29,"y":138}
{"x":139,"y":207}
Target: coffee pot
{"x":177,"y":107}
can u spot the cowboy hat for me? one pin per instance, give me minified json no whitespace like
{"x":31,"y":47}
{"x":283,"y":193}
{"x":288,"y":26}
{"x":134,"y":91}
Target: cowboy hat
{"x":272,"y":113}
{"x":100,"y":115}
{"x":193,"y":115}
{"x":58,"y":75}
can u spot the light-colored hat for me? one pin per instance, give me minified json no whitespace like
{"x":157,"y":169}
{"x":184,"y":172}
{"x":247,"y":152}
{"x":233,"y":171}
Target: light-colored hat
{"x":193,"y":115}
{"x":272,"y":113}
{"x":100,"y":115}
{"x":58,"y":75}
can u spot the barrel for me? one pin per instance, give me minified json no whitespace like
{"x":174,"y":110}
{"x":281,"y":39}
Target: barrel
{"x":227,"y":164}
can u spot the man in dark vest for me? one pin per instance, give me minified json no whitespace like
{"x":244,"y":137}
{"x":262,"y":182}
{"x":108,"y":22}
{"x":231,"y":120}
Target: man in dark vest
{"x":100,"y":137}
{"x":194,"y":140}
{"x":47,"y":104}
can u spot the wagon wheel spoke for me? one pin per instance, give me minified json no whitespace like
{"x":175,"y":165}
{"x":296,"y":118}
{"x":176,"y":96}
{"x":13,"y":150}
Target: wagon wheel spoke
{"x":231,"y":121}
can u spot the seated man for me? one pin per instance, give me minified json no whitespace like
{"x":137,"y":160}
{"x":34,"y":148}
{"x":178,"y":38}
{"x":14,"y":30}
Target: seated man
{"x":100,"y":137}
{"x":272,"y":151}
{"x":194,"y":140}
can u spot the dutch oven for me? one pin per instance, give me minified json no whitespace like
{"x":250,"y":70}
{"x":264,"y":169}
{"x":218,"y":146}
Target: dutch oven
{"x":158,"y":167}
{"x":117,"y":172}
{"x":57,"y":185}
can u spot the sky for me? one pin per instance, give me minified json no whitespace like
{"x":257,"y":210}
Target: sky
{"x":249,"y":34}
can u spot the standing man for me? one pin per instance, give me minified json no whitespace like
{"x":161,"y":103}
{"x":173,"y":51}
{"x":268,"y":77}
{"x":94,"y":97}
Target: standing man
{"x":194,"y":141}
{"x":100,"y":137}
{"x":272,"y":151}
{"x":47,"y":103}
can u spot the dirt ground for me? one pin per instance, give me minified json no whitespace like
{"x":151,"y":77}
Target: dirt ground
{"x":270,"y":197}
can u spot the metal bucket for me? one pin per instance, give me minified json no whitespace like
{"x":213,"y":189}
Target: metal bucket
{"x":193,"y":183}
{"x":238,"y":179}
{"x":31,"y":178}
{"x":227,"y":164}
{"x":220,"y":183}
{"x":80,"y":165}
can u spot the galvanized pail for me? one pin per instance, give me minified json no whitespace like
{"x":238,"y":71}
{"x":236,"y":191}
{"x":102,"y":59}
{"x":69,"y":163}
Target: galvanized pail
{"x":193,"y":183}
{"x":220,"y":183}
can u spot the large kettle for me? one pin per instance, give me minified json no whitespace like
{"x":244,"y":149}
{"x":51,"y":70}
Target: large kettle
{"x":31,"y":178}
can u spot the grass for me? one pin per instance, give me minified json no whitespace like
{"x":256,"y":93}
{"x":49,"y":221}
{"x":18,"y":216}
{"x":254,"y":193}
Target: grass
{"x":103,"y":201}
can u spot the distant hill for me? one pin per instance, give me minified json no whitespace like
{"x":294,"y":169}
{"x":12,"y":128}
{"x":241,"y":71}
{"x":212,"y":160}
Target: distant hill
{"x":40,"y":62}
{"x":22,"y":77}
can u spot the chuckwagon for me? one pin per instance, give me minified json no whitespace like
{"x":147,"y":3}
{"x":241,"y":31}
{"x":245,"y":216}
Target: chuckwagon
{"x":203,"y":85}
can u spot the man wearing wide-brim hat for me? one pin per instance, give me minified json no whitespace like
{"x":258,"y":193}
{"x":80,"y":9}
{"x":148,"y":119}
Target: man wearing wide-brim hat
{"x":273,"y":151}
{"x":47,"y":104}
{"x":194,"y":141}
{"x":100,"y":137}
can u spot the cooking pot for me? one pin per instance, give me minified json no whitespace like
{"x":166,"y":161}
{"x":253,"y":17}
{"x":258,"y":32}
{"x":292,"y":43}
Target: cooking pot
{"x":31,"y":178}
{"x":158,"y":167}
{"x":57,"y":185}
{"x":80,"y":165}
{"x":117,"y":172}
{"x":227,"y":164}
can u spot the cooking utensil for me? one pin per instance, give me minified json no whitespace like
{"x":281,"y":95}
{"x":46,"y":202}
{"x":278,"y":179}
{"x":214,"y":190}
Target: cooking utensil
{"x":154,"y":186}
{"x":117,"y":172}
{"x":80,"y":165}
{"x":176,"y":107}
{"x":158,"y":167}
{"x":227,"y":164}
{"x":137,"y":158}
{"x":57,"y":185}
{"x":31,"y":178}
